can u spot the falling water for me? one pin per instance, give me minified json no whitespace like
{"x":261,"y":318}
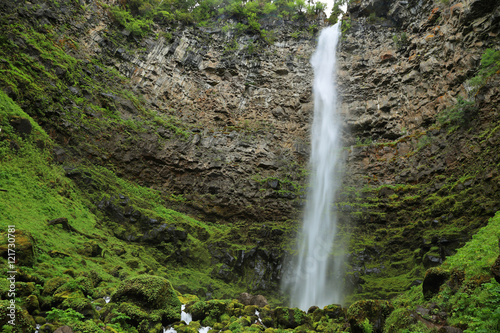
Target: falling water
{"x":311,"y":280}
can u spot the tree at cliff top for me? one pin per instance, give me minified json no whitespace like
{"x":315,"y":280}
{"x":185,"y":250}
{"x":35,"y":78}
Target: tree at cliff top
{"x":137,"y":15}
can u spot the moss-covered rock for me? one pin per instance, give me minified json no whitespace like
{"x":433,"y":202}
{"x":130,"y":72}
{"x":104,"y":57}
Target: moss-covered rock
{"x":12,"y":315}
{"x":148,"y":292}
{"x":433,"y":280}
{"x":369,"y":313}
{"x":25,"y":288}
{"x":289,"y":317}
{"x":52,"y":284}
{"x":334,"y":311}
{"x":145,"y":301}
{"x":24,"y":242}
{"x":32,"y":303}
{"x":82,"y":305}
{"x":400,"y":319}
{"x":212,"y":310}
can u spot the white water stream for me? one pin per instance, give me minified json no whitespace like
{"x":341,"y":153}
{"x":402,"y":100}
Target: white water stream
{"x":310,"y":280}
{"x":187,"y":318}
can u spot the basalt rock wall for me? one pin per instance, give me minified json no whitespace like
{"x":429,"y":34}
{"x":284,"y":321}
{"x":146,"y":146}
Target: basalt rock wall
{"x":247,"y":106}
{"x":421,"y":171}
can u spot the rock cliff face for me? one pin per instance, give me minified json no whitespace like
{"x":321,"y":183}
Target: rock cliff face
{"x":247,"y":106}
{"x":419,"y":181}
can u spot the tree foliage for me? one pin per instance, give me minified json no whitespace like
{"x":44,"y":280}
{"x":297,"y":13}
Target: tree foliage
{"x":138,"y":15}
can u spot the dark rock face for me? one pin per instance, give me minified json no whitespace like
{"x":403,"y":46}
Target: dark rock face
{"x":21,"y":126}
{"x":433,"y":280}
{"x":405,"y":183}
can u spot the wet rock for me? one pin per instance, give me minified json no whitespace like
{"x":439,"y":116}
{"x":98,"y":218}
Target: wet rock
{"x":434,"y":278}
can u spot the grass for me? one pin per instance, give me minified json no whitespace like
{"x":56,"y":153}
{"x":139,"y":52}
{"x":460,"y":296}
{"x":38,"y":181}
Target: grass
{"x":472,"y":303}
{"x":38,"y":191}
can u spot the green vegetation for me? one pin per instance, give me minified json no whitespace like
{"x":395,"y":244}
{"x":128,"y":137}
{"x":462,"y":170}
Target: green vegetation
{"x":469,"y":297}
{"x":346,"y":25}
{"x":68,"y":269}
{"x":127,"y":241}
{"x":459,"y":114}
{"x":463,"y":111}
{"x":138,"y":16}
{"x":400,"y":40}
{"x":490,"y":66}
{"x":337,"y":11}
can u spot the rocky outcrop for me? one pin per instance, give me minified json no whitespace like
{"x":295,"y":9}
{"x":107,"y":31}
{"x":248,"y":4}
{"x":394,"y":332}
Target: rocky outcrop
{"x":402,"y":67}
{"x":420,"y":172}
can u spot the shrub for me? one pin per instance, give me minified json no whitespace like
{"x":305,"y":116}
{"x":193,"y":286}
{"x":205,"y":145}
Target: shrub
{"x":490,"y":65}
{"x":65,"y":317}
{"x":400,"y":40}
{"x":458,"y":114}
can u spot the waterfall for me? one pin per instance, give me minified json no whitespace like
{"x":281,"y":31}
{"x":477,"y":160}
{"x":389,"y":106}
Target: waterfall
{"x":311,"y":279}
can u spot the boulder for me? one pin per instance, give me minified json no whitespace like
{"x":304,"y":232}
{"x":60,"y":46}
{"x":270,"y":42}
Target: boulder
{"x":248,"y":299}
{"x":90,"y":249}
{"x":148,"y":291}
{"x":82,"y":305}
{"x":25,"y":254}
{"x":22,"y":319}
{"x":21,"y":125}
{"x":208,"y":311}
{"x":147,"y":300}
{"x":52,"y":284}
{"x":64,"y":329}
{"x":289,"y":317}
{"x":375,"y":311}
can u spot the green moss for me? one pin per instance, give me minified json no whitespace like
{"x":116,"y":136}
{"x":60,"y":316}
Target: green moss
{"x":82,"y":305}
{"x":149,"y":291}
